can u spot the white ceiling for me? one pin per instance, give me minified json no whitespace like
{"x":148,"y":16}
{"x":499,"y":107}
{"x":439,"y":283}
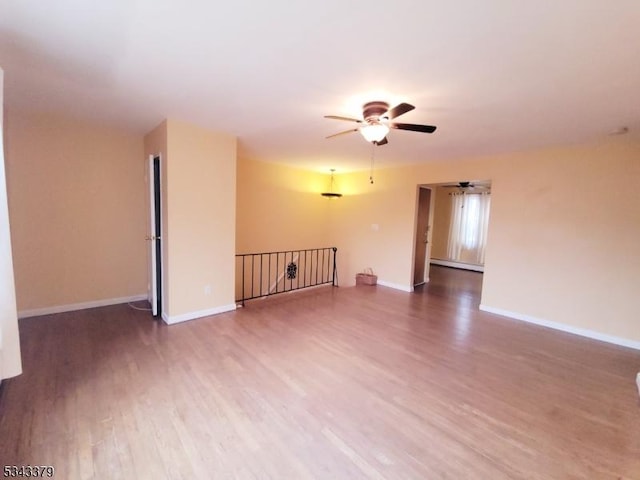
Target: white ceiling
{"x":493,"y":75}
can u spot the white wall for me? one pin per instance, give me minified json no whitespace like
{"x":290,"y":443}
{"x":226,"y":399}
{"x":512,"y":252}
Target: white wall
{"x":10,"y":363}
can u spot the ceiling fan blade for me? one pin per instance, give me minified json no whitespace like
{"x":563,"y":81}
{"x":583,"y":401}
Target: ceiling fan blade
{"x":336,"y":117}
{"x":398,"y":110}
{"x":343,"y":133}
{"x":413,"y":127}
{"x":384,"y":141}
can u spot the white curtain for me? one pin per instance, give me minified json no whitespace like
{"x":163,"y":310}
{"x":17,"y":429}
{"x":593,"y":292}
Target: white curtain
{"x":468,"y":229}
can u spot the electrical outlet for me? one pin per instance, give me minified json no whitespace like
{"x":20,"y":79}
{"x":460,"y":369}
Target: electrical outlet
{"x":207,"y":289}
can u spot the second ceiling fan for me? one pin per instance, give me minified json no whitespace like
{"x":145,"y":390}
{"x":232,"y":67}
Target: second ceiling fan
{"x":376,"y":122}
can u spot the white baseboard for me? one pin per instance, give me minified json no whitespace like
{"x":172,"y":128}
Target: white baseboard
{"x":583,"y":332}
{"x":396,"y":286}
{"x":36,"y":312}
{"x":464,"y":266}
{"x":171,"y":320}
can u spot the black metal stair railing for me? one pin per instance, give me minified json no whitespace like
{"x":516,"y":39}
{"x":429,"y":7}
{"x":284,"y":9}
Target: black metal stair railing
{"x":269,"y":273}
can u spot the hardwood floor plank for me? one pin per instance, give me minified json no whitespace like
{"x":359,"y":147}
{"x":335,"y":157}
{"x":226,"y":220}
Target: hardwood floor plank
{"x":347,"y":383}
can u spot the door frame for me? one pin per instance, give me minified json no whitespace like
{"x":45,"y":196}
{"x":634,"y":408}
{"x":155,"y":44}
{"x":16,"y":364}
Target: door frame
{"x":433,"y":187}
{"x":428,"y":233}
{"x":154,"y":237}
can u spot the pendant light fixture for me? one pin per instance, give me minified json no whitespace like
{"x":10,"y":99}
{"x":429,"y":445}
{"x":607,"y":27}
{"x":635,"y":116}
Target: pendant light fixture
{"x":331,"y":193}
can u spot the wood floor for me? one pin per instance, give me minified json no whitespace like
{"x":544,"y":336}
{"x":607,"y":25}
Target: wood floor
{"x":345,"y":383}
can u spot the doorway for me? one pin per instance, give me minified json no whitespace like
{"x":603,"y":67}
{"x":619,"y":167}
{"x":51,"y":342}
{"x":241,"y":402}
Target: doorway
{"x":433,"y":238}
{"x":422,"y":239}
{"x":460,"y":224}
{"x":155,"y":236}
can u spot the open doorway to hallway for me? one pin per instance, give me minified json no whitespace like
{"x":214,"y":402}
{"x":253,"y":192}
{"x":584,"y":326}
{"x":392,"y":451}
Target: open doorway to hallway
{"x":452,"y":222}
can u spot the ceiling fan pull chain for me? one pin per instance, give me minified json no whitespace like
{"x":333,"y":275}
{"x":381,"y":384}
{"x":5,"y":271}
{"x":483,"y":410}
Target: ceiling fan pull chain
{"x":373,"y":150}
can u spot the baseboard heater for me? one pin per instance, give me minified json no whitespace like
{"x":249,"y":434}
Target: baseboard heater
{"x":453,"y":264}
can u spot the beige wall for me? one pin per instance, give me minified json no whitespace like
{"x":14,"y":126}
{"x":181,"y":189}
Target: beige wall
{"x":375,"y":226}
{"x":441,"y":223}
{"x":569,"y":252}
{"x":77,"y":208}
{"x":280,"y":208}
{"x":79,"y":203}
{"x":10,"y":362}
{"x":199,"y":209}
{"x":562,"y":241}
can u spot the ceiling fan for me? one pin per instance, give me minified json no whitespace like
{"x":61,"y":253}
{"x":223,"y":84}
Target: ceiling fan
{"x":376,"y":122}
{"x":467,"y":186}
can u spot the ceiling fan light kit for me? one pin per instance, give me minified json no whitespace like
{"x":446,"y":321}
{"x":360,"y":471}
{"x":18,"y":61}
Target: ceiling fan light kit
{"x":374,"y":132}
